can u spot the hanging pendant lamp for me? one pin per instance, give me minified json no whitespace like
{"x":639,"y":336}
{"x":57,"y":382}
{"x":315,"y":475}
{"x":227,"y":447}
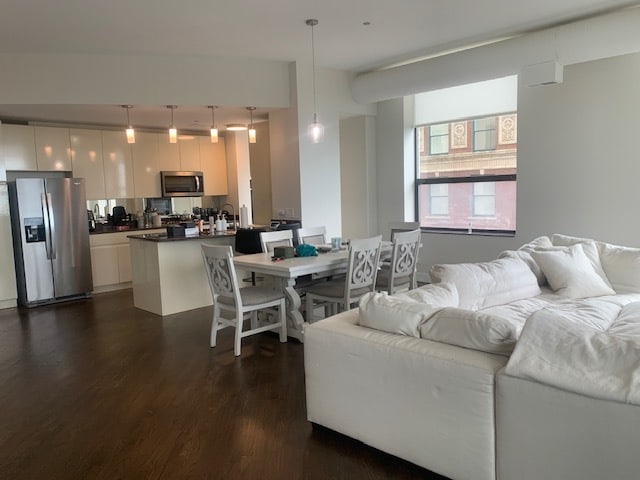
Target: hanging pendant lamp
{"x":315,"y":131}
{"x":252,"y":131}
{"x":130,"y":132}
{"x":173,"y":132}
{"x":214,"y":130}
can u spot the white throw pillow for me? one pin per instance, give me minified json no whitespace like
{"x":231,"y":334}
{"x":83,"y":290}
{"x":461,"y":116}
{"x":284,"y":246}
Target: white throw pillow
{"x":486,"y":284}
{"x":475,"y":330}
{"x":404,"y":315}
{"x":570,"y":273}
{"x":591,"y":250}
{"x":524,"y":254}
{"x":622,"y":267}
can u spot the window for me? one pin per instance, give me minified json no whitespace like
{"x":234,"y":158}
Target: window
{"x":484,"y":134}
{"x":484,"y":199}
{"x":439,"y":199}
{"x":439,"y":139}
{"x":470,"y":186}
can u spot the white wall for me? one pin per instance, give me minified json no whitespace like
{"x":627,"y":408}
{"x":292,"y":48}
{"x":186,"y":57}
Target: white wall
{"x":285,"y":155}
{"x":578,"y":160}
{"x":320,"y":199}
{"x":122,"y":79}
{"x":238,"y":171}
{"x":358,"y":176}
{"x":260,"y":156}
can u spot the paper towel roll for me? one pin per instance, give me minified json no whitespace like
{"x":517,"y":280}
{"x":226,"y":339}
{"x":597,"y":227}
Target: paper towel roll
{"x":244,"y":217}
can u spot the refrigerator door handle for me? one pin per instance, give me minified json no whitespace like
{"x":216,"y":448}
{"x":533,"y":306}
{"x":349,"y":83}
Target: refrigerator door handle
{"x":47,"y":229}
{"x":52,"y":227}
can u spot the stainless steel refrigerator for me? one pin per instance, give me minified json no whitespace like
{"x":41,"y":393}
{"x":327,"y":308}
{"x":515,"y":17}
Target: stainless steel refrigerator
{"x":50,"y":239}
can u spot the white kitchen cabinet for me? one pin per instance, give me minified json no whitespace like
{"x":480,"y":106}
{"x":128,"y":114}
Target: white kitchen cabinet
{"x":118,"y":165}
{"x":189,"y":153}
{"x":111,"y":258}
{"x":146,"y":174}
{"x":8,"y":291}
{"x":53,"y":148}
{"x":213,"y":162}
{"x":87,"y":161}
{"x":168,"y":154}
{"x":17,"y":148}
{"x":104,"y":265}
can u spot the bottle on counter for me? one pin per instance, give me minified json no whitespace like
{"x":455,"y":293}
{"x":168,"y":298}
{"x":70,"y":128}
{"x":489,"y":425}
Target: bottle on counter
{"x":219,"y":223}
{"x":224,"y":223}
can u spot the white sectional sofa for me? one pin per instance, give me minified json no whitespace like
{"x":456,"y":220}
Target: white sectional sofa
{"x":526,"y":367}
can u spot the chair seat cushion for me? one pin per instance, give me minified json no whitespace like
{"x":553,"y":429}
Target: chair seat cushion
{"x":254,"y":296}
{"x":382,"y":279}
{"x":335,"y":289}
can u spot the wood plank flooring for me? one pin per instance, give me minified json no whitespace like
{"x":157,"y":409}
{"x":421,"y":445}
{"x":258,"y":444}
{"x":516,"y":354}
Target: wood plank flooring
{"x":98,"y":389}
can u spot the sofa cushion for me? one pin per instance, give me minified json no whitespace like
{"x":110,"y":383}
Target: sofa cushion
{"x":570,"y":273}
{"x":469,"y":329}
{"x":524,"y":254}
{"x":622,"y":267}
{"x":482,"y":285}
{"x":599,"y":362}
{"x":403,"y":314}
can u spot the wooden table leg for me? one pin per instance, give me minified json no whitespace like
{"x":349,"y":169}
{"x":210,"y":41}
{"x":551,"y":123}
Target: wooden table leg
{"x":295,"y":323}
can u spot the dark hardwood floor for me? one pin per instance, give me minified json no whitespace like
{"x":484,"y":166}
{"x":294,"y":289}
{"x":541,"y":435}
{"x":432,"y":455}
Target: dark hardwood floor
{"x":98,"y":389}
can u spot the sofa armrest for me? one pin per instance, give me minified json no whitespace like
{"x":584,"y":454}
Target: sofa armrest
{"x":427,"y":402}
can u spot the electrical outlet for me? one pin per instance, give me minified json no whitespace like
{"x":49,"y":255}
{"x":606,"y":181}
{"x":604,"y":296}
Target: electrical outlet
{"x":281,"y":212}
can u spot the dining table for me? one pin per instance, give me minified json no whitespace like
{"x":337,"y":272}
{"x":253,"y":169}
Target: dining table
{"x":287,"y":275}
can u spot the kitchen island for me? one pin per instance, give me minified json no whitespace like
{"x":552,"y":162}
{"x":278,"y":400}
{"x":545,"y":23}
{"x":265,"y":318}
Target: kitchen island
{"x":168,"y":272}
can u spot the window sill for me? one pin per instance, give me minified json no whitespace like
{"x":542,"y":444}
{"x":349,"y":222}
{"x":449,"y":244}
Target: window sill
{"x":473,"y":233}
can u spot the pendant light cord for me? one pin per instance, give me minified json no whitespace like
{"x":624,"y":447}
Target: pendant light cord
{"x":312,"y":22}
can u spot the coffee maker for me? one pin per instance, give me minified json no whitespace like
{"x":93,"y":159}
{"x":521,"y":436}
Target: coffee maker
{"x":92,"y":220}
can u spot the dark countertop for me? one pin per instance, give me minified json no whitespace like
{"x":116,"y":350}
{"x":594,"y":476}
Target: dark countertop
{"x":162,"y":237}
{"x":113,"y":229}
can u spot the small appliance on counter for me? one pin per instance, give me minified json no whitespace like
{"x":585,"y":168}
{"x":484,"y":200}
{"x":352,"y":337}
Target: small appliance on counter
{"x":92,"y":220}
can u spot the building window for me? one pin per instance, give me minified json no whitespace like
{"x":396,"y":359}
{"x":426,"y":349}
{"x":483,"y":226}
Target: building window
{"x":439,"y":199}
{"x":439,"y":139}
{"x":472,"y":187}
{"x":484,"y":199}
{"x":484,"y":134}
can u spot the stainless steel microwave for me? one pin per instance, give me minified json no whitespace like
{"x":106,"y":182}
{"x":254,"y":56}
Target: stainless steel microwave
{"x":181,"y":184}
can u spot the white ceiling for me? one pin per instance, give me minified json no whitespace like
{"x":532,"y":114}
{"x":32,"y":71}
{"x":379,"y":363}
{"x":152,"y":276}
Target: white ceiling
{"x":398,"y":31}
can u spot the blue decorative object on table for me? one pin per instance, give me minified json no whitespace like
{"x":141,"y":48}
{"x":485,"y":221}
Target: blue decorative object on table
{"x":306,"y":250}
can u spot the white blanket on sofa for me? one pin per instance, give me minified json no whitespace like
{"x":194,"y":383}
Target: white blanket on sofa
{"x":592,"y":349}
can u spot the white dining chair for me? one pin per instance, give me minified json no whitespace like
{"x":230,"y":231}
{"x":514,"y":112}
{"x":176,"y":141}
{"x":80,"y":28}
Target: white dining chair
{"x":312,"y":235}
{"x":362,"y":269}
{"x":243,"y":303}
{"x":276,"y":238}
{"x":399,"y":274}
{"x":395,"y":227}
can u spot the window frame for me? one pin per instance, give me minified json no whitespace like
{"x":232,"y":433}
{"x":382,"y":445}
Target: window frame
{"x":494,"y":130}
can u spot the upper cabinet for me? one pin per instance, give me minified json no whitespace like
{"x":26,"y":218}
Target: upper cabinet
{"x":86,"y":158}
{"x":17,"y":149}
{"x":189,"y":153}
{"x":118,"y":165}
{"x":168,"y":154}
{"x":146,"y":176}
{"x":213,"y":162}
{"x":53,"y":148}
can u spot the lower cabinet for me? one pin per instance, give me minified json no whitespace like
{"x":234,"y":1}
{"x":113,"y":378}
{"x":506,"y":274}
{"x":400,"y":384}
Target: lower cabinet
{"x":111,"y":260}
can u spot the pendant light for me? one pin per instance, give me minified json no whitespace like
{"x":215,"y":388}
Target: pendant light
{"x":173,"y":132}
{"x":131,"y":134}
{"x":315,"y":131}
{"x":214,"y":130}
{"x":252,"y":131}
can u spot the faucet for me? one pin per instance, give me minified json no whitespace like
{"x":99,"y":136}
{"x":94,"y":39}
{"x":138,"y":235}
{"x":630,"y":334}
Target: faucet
{"x":233,"y":215}
{"x":96,"y":211}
